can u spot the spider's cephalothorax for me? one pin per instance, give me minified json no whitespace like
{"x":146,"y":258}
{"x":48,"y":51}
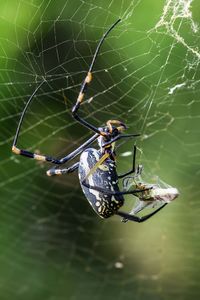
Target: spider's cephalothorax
{"x":96,"y":168}
{"x":109,"y":135}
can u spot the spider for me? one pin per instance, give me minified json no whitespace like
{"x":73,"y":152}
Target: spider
{"x":96,"y":168}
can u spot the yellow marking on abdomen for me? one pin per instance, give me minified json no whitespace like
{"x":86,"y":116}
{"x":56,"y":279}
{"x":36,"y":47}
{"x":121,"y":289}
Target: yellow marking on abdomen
{"x":106,"y":155}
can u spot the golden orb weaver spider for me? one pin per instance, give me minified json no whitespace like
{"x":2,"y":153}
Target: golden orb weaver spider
{"x":97,"y":168}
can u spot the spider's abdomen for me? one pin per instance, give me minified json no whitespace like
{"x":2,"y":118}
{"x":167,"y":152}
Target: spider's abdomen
{"x":104,"y":177}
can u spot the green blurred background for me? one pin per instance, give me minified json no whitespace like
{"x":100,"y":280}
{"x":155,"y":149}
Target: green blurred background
{"x":52,"y":245}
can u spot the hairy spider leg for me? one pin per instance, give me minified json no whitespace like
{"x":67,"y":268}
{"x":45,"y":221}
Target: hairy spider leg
{"x":85,"y":84}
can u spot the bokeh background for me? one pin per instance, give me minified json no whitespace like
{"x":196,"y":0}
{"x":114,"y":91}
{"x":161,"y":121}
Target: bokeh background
{"x":52,"y":245}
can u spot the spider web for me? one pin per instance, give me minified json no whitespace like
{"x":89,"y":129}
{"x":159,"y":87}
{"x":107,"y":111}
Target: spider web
{"x":52,"y":244}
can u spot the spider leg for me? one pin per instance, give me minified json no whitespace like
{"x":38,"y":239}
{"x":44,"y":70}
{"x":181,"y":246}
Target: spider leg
{"x":85,"y":84}
{"x":50,"y":159}
{"x":53,"y":171}
{"x":24,"y":112}
{"x":114,"y":193}
{"x":137,"y":209}
{"x":36,"y":156}
{"x":121,"y":136}
{"x":133,"y":165}
{"x":139,"y":219}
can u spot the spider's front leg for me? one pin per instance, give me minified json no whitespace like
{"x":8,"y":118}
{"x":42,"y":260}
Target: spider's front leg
{"x":50,"y":159}
{"x":85,"y":84}
{"x":80,"y":98}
